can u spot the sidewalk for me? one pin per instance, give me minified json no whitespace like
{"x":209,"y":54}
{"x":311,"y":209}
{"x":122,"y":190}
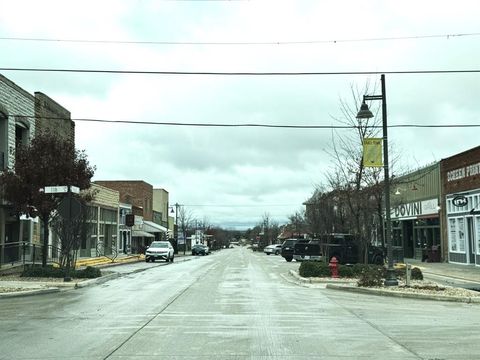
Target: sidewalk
{"x":467,"y":273}
{"x":118,"y":267}
{"x":455,"y":281}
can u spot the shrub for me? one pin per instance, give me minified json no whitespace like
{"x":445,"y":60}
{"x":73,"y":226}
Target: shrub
{"x":89,"y":272}
{"x":359,"y":268}
{"x":38,"y":271}
{"x":416,"y":274}
{"x":50,"y":272}
{"x":345,"y":271}
{"x":313,"y":269}
{"x":371,"y":276}
{"x":320,"y":269}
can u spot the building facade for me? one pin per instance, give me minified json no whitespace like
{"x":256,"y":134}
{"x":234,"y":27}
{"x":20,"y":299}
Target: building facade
{"x":415,"y":199}
{"x":135,"y":192}
{"x":139,"y":194}
{"x":461,"y":201}
{"x":102,"y":217}
{"x":125,"y":232}
{"x":160,"y":207}
{"x":52,"y":117}
{"x":17,"y":127}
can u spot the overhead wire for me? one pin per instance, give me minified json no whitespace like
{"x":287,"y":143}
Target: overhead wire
{"x":243,"y":43}
{"x":240,"y":73}
{"x":257,"y":125}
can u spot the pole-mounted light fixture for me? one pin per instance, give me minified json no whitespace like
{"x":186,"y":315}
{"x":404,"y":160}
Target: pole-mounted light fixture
{"x":365,"y":113}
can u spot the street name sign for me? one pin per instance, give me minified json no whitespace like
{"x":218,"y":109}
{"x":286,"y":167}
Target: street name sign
{"x":60,"y":189}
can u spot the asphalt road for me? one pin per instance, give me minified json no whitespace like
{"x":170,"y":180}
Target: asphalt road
{"x":234,"y":304}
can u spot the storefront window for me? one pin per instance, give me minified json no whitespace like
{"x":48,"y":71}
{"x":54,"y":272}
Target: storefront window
{"x":477,"y":221}
{"x":461,"y":234}
{"x":107,"y":215}
{"x":452,"y":234}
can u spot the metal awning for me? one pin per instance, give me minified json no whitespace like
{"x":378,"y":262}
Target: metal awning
{"x":152,"y":227}
{"x":140,"y":233}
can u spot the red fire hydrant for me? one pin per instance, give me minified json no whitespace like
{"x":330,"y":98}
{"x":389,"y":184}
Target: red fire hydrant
{"x":333,"y":265}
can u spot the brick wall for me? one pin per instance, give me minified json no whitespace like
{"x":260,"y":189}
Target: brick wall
{"x":135,"y":192}
{"x":51,"y":116}
{"x":462,"y":171}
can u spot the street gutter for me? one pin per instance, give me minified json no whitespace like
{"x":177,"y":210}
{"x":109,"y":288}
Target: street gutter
{"x":380,"y":292}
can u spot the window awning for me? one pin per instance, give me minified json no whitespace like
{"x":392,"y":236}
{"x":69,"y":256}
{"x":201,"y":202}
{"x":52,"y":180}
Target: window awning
{"x":152,"y":227}
{"x":140,"y":233}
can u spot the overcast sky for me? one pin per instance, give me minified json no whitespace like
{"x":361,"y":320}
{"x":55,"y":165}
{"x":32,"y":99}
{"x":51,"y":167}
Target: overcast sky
{"x":233,"y":176}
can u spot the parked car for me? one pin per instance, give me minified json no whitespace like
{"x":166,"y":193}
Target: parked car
{"x":200,"y":249}
{"x":307,"y":251}
{"x":287,"y":249}
{"x":159,"y":250}
{"x":346,"y":250}
{"x":273,"y":249}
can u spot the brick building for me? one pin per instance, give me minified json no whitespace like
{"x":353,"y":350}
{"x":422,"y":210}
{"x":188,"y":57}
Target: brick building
{"x":460,"y":176}
{"x":135,"y":192}
{"x":139,"y":194}
{"x":51,"y":116}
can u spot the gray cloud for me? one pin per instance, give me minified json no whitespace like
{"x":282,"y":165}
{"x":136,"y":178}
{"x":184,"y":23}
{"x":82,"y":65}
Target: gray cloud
{"x":235,"y":175}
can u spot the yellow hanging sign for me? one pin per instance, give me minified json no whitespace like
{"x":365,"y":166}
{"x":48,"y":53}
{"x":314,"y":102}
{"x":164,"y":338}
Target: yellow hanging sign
{"x":372,"y":152}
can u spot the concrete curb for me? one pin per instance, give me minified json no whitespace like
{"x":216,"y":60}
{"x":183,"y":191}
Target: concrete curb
{"x":29,"y":292}
{"x":314,"y":280}
{"x":348,"y":286}
{"x":380,"y":292}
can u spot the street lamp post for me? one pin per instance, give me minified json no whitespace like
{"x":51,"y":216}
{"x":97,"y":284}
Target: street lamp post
{"x":365,"y":113}
{"x":177,"y":205}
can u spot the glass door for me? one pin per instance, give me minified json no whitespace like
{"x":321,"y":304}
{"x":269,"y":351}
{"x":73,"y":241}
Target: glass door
{"x":471,"y":240}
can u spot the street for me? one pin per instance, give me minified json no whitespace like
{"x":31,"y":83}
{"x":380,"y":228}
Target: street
{"x":233,"y":304}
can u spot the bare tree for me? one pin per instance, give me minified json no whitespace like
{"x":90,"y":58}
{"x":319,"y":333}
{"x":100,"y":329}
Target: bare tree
{"x":270,"y":231}
{"x":297,"y":223}
{"x":185,"y":221}
{"x":356,"y":187}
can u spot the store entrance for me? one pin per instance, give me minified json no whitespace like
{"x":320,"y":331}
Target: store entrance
{"x":409,"y":245}
{"x":427,"y":239}
{"x":471,"y":241}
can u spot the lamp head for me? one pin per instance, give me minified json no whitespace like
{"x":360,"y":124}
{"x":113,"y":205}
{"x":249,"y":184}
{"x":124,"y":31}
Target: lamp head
{"x":364,"y":112}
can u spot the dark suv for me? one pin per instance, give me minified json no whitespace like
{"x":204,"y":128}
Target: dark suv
{"x":288,"y":247}
{"x":200,"y":249}
{"x":346,"y":250}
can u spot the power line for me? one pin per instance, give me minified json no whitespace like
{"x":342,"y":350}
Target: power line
{"x":237,"y":73}
{"x":239,"y":205}
{"x":258,"y":125}
{"x":244,"y":43}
